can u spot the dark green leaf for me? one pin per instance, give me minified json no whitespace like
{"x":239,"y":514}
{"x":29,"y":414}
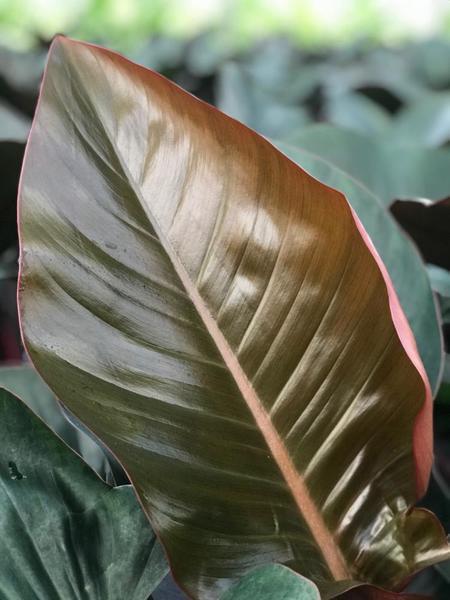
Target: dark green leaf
{"x":270,"y":582}
{"x":64,"y":533}
{"x":24,"y":382}
{"x":425,"y":122}
{"x":13,"y":125}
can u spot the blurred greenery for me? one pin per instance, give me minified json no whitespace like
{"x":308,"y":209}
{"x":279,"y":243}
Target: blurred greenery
{"x":124,"y":24}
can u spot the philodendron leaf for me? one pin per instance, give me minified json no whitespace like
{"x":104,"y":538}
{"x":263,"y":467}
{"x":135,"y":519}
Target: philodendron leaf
{"x":64,"y":533}
{"x":425,"y":122}
{"x":386,"y":167}
{"x":273,"y":581}
{"x":220,"y":320}
{"x":400,"y":256}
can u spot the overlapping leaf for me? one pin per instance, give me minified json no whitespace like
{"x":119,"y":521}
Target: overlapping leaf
{"x":64,"y":533}
{"x":24,"y":382}
{"x":273,"y":581}
{"x":218,"y":318}
{"x":387,"y":168}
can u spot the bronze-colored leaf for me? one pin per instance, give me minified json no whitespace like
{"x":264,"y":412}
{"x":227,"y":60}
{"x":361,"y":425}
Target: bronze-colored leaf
{"x":220,"y":320}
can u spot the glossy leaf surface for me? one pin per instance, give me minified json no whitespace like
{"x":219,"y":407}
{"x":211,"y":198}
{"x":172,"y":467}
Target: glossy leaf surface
{"x":64,"y":533}
{"x":273,"y":581}
{"x":209,"y":310}
{"x":400,"y":256}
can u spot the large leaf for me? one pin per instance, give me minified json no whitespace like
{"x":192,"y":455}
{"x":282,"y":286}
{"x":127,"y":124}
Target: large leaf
{"x":219,"y":318}
{"x":387,"y":168}
{"x":240,"y":97}
{"x":355,"y":111}
{"x":64,"y":533}
{"x":13,"y":125}
{"x":401,"y":258}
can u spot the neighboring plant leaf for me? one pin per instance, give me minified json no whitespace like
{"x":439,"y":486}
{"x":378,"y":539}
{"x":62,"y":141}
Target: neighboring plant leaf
{"x":440,"y":280}
{"x":401,"y":258}
{"x":355,"y":111}
{"x":64,"y":533}
{"x":24,"y":382}
{"x":388,"y":169}
{"x":425,"y":122}
{"x":206,"y":52}
{"x":22,"y":70}
{"x":278,"y":67}
{"x":220,"y":320}
{"x":242,"y":99}
{"x":428,"y":223}
{"x":270,"y":582}
{"x":13,"y":125}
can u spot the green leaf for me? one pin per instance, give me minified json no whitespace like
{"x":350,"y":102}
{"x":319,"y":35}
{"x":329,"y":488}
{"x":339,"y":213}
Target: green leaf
{"x":270,"y":582}
{"x":387,"y":168}
{"x":399,"y":255}
{"x":218,"y":318}
{"x":24,"y":382}
{"x":13,"y":125}
{"x":355,"y":111}
{"x":424,"y":122}
{"x":64,"y":533}
{"x":440,"y":280}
